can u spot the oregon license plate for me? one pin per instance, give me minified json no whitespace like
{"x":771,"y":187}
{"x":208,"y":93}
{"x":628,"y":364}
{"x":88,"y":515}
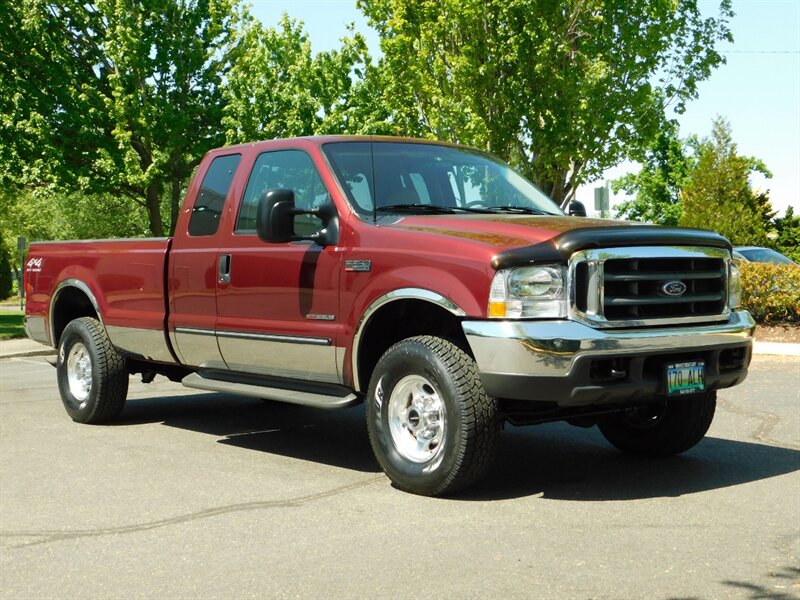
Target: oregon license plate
{"x":686,"y":377}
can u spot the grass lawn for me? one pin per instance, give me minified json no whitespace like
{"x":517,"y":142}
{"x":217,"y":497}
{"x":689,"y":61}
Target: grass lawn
{"x":11,"y":324}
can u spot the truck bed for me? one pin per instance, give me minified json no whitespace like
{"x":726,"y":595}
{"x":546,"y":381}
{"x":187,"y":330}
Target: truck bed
{"x":124,"y":278}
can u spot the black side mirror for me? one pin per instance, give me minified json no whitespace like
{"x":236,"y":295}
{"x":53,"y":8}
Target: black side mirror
{"x":275,"y":219}
{"x":577,"y":209}
{"x":275,"y":216}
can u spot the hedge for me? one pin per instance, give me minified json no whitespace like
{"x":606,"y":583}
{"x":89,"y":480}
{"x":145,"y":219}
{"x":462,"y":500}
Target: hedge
{"x":771,"y":292}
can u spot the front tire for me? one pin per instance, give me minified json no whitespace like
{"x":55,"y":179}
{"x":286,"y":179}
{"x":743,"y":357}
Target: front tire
{"x":663,"y":428}
{"x":431,"y":425}
{"x":92,"y":375}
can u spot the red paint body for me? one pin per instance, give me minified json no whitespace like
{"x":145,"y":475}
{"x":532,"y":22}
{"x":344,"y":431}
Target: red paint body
{"x":172,"y":283}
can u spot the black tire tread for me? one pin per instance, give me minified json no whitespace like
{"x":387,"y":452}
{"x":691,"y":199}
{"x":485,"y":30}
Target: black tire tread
{"x":685,"y":424}
{"x":479,"y":417}
{"x":112,"y":374}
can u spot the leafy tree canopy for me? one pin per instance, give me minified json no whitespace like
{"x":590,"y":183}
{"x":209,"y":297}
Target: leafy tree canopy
{"x":656,"y":188}
{"x":718,"y":194}
{"x":563,"y":90}
{"x":113,"y":96}
{"x":787,"y":241}
{"x":277,"y":88}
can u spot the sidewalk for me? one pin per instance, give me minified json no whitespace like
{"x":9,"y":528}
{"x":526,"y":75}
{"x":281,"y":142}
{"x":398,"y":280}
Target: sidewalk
{"x":24,"y":347}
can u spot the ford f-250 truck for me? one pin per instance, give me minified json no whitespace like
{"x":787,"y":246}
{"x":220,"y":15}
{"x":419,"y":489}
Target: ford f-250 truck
{"x":428,"y":280}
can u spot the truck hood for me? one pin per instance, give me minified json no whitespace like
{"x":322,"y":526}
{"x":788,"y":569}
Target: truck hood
{"x":501,"y":232}
{"x":520,"y":240}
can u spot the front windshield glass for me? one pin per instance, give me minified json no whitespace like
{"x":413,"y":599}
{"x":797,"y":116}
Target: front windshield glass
{"x":402,"y":177}
{"x":766,"y":255}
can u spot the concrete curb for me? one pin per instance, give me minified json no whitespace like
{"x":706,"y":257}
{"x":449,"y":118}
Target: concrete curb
{"x":22,"y":348}
{"x":28,"y":354}
{"x":776,"y":348}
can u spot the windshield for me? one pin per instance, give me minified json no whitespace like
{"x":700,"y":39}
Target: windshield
{"x":402,"y":177}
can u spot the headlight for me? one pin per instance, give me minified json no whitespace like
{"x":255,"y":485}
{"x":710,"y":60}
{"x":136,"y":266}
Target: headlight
{"x":528,"y":292}
{"x":734,"y":287}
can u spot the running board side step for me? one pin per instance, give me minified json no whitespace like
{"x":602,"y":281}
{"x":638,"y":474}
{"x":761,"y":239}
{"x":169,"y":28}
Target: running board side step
{"x":290,"y":391}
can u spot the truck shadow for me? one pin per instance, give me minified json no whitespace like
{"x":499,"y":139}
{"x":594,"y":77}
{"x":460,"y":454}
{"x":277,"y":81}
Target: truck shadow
{"x":562,"y":462}
{"x":336,"y":438}
{"x":555,"y":460}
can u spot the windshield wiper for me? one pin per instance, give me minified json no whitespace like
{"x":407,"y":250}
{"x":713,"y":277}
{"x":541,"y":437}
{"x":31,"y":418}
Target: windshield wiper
{"x":416,"y":207}
{"x":519,"y":209}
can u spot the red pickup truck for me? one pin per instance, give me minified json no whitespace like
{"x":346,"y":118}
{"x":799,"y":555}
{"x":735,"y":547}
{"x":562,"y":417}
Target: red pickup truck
{"x":429,"y":280}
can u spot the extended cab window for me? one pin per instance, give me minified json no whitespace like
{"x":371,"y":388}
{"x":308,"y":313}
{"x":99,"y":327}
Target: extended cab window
{"x":211,"y":198}
{"x":287,"y":169}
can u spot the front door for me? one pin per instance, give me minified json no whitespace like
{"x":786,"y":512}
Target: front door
{"x":277,"y":304}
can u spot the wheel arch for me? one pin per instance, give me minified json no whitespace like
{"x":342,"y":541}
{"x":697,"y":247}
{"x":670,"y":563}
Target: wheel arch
{"x":397,"y":315}
{"x":72,"y":299}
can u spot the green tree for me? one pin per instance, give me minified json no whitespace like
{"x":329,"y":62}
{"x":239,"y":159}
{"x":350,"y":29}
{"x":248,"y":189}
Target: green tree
{"x":563,"y":90}
{"x":656,"y":188}
{"x":788,"y":229}
{"x":50,"y":216}
{"x":278,"y":88}
{"x":114,"y":96}
{"x":718,"y":195}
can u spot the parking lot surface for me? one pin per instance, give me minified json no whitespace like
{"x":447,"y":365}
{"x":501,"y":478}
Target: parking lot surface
{"x":201,"y":495}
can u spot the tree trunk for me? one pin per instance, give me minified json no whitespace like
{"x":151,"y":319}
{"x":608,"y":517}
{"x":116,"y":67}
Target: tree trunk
{"x":154,"y":210}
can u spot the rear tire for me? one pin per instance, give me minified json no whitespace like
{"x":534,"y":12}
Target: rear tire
{"x":92,"y":374}
{"x":663,"y":428}
{"x":432,"y":427}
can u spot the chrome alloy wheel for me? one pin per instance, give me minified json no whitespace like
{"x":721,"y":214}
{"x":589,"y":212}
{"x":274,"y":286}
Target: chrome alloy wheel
{"x":79,"y":372}
{"x":416,"y":419}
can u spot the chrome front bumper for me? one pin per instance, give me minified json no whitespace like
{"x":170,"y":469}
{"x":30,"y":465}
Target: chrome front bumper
{"x":571,"y":363}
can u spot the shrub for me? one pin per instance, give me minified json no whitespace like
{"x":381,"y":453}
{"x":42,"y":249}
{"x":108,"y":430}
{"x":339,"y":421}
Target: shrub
{"x":771,"y":292}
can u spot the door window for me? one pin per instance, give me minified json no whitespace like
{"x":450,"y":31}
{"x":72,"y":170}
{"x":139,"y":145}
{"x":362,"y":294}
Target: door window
{"x":287,"y":169}
{"x":211,"y":198}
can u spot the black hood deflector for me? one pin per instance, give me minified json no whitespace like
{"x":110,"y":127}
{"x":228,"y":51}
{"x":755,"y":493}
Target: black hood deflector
{"x":561,"y":247}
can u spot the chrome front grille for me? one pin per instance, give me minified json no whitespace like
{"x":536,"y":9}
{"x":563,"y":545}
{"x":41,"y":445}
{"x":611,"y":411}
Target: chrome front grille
{"x":627,"y":287}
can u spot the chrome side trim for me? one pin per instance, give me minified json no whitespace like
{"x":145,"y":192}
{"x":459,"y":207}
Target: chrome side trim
{"x":401,"y":294}
{"x":195,"y":331}
{"x":274,"y":337}
{"x":262,"y":337}
{"x":36,"y":329}
{"x":550,"y":348}
{"x":595,"y":260}
{"x":76,"y":283}
{"x":197,"y":347}
{"x":149,"y":344}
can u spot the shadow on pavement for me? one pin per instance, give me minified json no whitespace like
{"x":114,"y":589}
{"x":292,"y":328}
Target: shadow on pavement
{"x":783,"y":585}
{"x":337,"y":437}
{"x":554,"y":460}
{"x":562,"y":462}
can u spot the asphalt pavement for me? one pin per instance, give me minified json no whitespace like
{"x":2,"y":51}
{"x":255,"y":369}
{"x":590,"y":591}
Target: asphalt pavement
{"x":202,"y":495}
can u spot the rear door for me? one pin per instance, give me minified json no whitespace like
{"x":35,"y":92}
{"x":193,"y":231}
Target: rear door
{"x":277,"y":304}
{"x":193,"y":267}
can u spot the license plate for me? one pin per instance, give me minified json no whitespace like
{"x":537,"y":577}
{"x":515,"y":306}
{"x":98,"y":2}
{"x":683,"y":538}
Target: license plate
{"x":686,"y":378}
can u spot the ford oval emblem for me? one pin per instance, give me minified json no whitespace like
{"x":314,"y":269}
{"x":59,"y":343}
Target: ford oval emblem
{"x":674,"y":288}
